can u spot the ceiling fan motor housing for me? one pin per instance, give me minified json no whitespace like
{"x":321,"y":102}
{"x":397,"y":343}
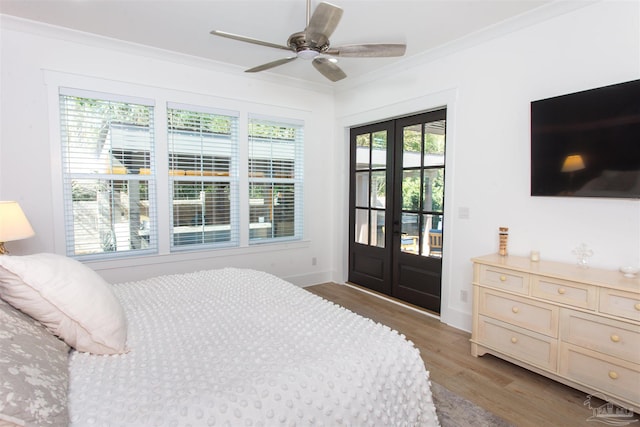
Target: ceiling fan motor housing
{"x":308,"y":49}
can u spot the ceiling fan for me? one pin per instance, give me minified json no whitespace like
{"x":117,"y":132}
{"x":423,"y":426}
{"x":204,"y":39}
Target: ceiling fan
{"x":313,"y":44}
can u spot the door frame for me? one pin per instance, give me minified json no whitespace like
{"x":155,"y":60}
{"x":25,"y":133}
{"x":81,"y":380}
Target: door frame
{"x":360,"y":114}
{"x":412,"y":277}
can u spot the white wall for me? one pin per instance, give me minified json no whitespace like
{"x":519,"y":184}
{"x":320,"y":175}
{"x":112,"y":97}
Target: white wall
{"x":488,"y":88}
{"x":33,"y":55}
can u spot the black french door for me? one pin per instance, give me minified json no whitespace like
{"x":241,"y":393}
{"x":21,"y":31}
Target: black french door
{"x":397,"y":207}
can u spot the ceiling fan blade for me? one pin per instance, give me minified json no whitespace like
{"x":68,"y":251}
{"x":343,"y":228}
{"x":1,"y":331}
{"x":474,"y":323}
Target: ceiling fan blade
{"x":323,"y":22}
{"x":368,"y":50}
{"x":248,"y":39}
{"x":269,"y":65}
{"x":329,"y":69}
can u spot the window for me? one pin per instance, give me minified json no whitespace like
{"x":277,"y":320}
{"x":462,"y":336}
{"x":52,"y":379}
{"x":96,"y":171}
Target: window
{"x":275,"y":180}
{"x":108,"y":176}
{"x":133,"y":188}
{"x":203,"y":151}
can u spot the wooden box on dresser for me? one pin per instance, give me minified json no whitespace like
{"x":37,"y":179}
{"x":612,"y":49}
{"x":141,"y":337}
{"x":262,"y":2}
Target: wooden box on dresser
{"x":579,"y":326}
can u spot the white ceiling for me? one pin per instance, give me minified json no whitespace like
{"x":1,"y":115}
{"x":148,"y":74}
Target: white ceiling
{"x":184,"y":25}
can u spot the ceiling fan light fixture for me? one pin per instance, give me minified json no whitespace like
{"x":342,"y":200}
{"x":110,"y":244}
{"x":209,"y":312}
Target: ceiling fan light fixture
{"x":307,"y":53}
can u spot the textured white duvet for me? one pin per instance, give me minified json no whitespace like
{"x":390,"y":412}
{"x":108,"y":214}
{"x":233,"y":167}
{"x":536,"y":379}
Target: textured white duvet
{"x":244,"y":348}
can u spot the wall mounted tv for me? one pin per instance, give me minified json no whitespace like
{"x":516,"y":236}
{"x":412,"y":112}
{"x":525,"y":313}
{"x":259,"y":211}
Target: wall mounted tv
{"x":587,"y":144}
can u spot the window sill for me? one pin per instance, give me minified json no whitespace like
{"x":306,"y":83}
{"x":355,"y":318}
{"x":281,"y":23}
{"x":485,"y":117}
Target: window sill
{"x":194,"y":255}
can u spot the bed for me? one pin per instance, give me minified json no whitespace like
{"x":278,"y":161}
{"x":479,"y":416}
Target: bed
{"x":232,"y":347}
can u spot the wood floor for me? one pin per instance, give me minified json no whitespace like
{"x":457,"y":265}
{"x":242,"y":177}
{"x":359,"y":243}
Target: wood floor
{"x":521,"y":397}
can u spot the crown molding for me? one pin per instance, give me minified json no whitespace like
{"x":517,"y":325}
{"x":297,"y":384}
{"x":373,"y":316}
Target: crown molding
{"x":8,"y":22}
{"x":514,"y":24}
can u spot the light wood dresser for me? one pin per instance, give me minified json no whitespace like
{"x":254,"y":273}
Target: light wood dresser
{"x":577,"y":326}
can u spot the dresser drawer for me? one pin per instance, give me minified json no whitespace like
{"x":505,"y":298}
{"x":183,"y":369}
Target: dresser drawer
{"x":519,"y":311}
{"x":611,"y":337}
{"x":620,"y":303}
{"x":519,"y":343}
{"x":564,"y":291}
{"x":503,"y":278}
{"x":614,"y":377}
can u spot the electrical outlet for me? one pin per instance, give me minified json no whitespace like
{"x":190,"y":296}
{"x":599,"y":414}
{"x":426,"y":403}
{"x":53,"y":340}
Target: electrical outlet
{"x":463,"y":296}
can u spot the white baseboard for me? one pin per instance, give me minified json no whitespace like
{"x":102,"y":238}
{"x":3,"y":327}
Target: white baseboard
{"x":310,"y":279}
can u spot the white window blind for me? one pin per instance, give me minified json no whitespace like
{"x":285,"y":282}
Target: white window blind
{"x":275,"y":180}
{"x":203,"y":164}
{"x":108,"y":175}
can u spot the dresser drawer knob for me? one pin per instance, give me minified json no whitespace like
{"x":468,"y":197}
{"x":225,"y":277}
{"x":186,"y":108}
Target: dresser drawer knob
{"x":561,"y":291}
{"x":514,"y":340}
{"x":637,"y":306}
{"x":503,"y":278}
{"x":613,"y":375}
{"x":615,"y":338}
{"x":515,"y":309}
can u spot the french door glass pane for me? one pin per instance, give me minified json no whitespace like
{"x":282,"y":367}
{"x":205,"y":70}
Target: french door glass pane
{"x":434,"y":140}
{"x":411,"y":146}
{"x":379,"y":150}
{"x":362,"y":226}
{"x":363,"y":151}
{"x":411,"y":190}
{"x":363,"y":140}
{"x":379,"y":189}
{"x":433,"y":189}
{"x":362,"y":189}
{"x":377,"y":219}
{"x":410,"y":238}
{"x":433,"y":241}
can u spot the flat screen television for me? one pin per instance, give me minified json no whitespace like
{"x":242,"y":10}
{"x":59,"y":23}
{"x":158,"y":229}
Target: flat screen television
{"x":587,"y":144}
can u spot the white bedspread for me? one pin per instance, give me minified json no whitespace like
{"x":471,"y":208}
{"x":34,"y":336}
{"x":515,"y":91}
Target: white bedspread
{"x":243,"y":348}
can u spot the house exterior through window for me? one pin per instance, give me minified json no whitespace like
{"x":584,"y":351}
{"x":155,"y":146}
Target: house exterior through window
{"x":111,"y":148}
{"x":275,"y":180}
{"x":107,"y":158}
{"x":203,"y":165}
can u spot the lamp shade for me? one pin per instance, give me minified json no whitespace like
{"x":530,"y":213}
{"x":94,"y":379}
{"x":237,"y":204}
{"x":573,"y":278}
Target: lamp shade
{"x":14,"y":225}
{"x":573,"y":163}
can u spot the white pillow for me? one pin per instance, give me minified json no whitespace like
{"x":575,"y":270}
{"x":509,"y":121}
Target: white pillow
{"x":68,"y":297}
